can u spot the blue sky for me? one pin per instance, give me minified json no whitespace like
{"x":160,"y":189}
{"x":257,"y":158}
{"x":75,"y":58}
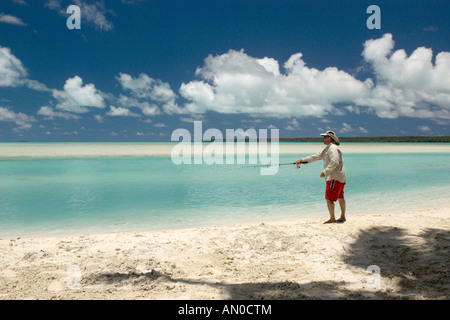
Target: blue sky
{"x":138,"y":70}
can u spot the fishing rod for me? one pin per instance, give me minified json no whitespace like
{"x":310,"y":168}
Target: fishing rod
{"x":277,"y":164}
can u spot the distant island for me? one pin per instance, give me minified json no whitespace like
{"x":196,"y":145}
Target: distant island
{"x":400,"y":139}
{"x":403,"y":139}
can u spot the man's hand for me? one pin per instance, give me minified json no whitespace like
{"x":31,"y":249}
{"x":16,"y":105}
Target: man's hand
{"x":322,"y":175}
{"x":299,"y":161}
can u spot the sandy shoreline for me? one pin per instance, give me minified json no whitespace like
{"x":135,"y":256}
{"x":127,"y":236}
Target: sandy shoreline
{"x":298,"y":259}
{"x":18,"y":150}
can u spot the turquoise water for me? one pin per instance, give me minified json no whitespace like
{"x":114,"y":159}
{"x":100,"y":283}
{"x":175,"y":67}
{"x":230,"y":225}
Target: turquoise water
{"x":59,"y":195}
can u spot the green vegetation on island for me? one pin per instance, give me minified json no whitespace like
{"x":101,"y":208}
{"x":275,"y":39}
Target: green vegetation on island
{"x":402,"y":139}
{"x":393,"y":139}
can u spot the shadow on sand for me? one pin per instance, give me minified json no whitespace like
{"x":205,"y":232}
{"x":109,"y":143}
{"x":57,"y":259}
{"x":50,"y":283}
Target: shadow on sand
{"x":420,"y":271}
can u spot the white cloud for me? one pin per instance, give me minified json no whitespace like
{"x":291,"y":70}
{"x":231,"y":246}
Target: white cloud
{"x":349,"y":128}
{"x":193,"y":118}
{"x":407,"y":86}
{"x":237,"y":83}
{"x":140,"y":87}
{"x":98,"y":118}
{"x":22,"y":120}
{"x":146,"y":108}
{"x":353,"y":109}
{"x":122,"y":112}
{"x":149,"y":109}
{"x":50,"y":114}
{"x":78,"y":98}
{"x":346,"y":128}
{"x":54,"y":5}
{"x":7,"y":18}
{"x":402,"y":86}
{"x":424,"y":129}
{"x":14,"y":74}
{"x":187,"y":119}
{"x":146,"y":88}
{"x":293,"y":125}
{"x":363,"y":130}
{"x":21,"y":2}
{"x":35,"y":85}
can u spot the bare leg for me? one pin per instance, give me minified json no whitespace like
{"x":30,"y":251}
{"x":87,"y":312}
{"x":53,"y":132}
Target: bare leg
{"x":330,"y":205}
{"x":342,"y":205}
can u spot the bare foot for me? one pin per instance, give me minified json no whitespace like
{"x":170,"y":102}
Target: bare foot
{"x":341,"y":220}
{"x":330,"y":221}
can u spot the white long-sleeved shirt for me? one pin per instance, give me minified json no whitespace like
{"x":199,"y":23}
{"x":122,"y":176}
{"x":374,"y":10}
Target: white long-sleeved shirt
{"x":333,"y":162}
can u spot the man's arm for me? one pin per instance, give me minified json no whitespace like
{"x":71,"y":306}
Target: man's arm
{"x":312,"y":158}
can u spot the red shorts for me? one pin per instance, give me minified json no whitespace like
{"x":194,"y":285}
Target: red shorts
{"x":334,"y":190}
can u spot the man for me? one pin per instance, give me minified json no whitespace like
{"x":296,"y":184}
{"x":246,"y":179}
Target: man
{"x":334,"y":173}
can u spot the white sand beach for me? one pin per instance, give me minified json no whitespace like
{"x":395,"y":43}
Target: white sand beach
{"x":297,"y":259}
{"x":15,"y":150}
